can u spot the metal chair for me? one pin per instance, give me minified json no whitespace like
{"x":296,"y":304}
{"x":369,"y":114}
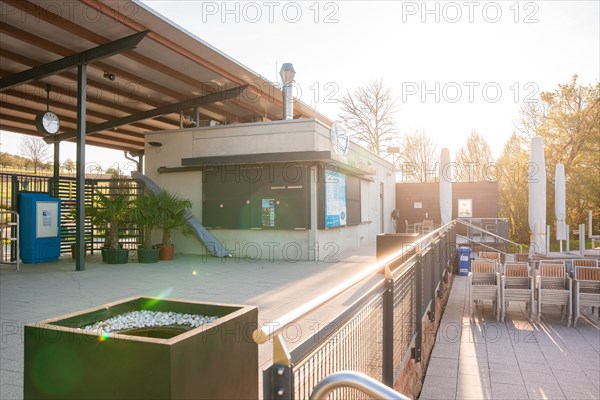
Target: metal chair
{"x":521,"y":257}
{"x":428,"y":226}
{"x":587,"y":289}
{"x":517,"y":285}
{"x":566,"y":263}
{"x":489,"y":255}
{"x":484,"y":284}
{"x":409,"y":228}
{"x":555,"y":287}
{"x":585,"y":262}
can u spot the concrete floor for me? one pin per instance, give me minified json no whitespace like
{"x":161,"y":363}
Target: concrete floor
{"x":485,"y":359}
{"x":41,"y":291}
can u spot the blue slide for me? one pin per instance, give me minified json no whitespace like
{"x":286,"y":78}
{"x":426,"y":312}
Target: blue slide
{"x":211,"y":243}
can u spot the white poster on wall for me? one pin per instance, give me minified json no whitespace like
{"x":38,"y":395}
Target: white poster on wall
{"x":335,"y":199}
{"x":465,"y":208}
{"x":46,"y":219}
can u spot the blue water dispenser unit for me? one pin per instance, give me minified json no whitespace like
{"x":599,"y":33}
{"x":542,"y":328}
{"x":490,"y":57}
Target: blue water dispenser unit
{"x":39,"y":217}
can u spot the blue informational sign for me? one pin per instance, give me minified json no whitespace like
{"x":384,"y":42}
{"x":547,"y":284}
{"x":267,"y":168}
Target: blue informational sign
{"x":335,"y":199}
{"x":268,"y":212}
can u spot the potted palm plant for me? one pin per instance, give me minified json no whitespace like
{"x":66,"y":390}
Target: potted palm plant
{"x":145,"y":215}
{"x":109,"y":213}
{"x":172,"y":212}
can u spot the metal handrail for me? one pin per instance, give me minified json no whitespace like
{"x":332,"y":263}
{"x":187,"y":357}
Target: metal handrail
{"x":468,"y":224}
{"x":355,"y":380}
{"x":480,"y":243}
{"x":469,"y":219}
{"x":270,"y":329}
{"x":4,"y":224}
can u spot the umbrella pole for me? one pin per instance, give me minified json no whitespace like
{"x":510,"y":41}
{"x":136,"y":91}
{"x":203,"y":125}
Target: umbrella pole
{"x":560,"y":245}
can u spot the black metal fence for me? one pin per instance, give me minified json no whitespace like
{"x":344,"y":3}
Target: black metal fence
{"x":377,"y":334}
{"x":13,"y":184}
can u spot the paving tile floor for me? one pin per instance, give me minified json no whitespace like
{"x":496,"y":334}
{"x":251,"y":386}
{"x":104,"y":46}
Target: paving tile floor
{"x":481,"y":358}
{"x":41,"y":291}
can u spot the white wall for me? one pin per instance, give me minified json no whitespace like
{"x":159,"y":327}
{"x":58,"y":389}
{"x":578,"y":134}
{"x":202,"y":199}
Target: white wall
{"x":255,"y":138}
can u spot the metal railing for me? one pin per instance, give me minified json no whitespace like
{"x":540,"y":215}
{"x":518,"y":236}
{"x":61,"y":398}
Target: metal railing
{"x":487,"y":233}
{"x":9,"y":238}
{"x":482,"y":244}
{"x":361,"y":382}
{"x":10,"y":187}
{"x":13,"y":184}
{"x":375,"y":335}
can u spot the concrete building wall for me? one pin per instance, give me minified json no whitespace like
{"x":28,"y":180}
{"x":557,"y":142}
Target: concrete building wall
{"x":254,"y":138}
{"x":273,"y":137}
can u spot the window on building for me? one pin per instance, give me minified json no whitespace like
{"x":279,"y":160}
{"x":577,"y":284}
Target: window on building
{"x":256,"y":197}
{"x":353,"y":200}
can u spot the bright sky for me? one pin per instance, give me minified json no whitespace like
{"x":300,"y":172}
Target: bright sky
{"x":454,"y":66}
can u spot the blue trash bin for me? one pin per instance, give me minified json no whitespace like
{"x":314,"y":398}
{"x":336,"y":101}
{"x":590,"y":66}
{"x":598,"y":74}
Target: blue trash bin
{"x":464,"y":260}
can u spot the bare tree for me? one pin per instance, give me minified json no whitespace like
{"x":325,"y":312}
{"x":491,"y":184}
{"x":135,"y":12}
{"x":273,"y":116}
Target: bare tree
{"x":474,"y":159}
{"x":419,"y":158}
{"x":368,"y":114}
{"x":69,"y":165}
{"x":36,"y":150}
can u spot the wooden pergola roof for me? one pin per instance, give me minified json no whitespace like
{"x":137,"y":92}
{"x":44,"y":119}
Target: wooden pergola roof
{"x":167,"y":67}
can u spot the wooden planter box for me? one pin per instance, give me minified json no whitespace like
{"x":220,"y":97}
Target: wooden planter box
{"x":217,"y":360}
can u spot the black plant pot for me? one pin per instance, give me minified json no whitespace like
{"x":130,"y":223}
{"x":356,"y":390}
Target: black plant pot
{"x":148,"y":256}
{"x":115,"y":256}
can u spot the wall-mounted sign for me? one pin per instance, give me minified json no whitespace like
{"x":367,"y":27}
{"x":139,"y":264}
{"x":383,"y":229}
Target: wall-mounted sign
{"x":268,"y":212}
{"x":465,"y":208}
{"x":335,"y":199}
{"x":46,"y":219}
{"x":417,"y":204}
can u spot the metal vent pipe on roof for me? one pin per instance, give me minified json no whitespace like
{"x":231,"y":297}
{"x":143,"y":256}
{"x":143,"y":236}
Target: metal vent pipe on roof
{"x":287,"y":74}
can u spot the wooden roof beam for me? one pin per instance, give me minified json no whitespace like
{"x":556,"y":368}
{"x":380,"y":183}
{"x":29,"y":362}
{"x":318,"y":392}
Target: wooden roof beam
{"x":66,"y":63}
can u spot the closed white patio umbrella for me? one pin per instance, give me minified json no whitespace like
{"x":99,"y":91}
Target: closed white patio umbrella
{"x":560,"y":208}
{"x":445,"y":187}
{"x":537,"y":196}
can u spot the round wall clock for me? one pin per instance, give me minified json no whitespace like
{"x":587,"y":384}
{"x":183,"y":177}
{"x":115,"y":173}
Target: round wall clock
{"x":47,"y":122}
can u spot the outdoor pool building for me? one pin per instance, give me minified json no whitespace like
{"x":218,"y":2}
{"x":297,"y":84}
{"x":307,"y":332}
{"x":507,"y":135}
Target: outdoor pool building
{"x":264,"y":172}
{"x":276,"y":190}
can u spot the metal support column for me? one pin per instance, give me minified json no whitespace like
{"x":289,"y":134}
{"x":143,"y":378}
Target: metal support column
{"x":431,"y":266}
{"x":313,"y":232}
{"x":80,"y":175}
{"x":56,"y":168}
{"x":278,"y":380}
{"x":418,"y":309}
{"x":388,"y":329}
